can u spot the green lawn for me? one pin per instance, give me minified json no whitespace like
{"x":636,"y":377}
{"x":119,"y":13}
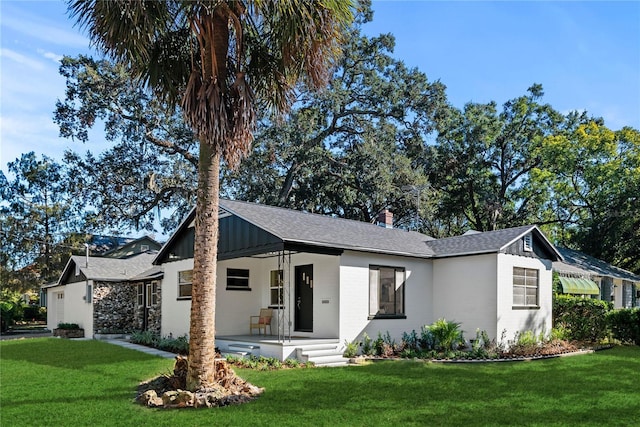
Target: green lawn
{"x":53,"y":382}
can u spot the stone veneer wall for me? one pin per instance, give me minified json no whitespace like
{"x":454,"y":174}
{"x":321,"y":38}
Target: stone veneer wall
{"x":113,"y":307}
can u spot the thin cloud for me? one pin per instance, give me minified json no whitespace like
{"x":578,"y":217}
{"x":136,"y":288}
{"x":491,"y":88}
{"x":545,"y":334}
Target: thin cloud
{"x":50,"y":55}
{"x":37,"y":28}
{"x":21,"y":59}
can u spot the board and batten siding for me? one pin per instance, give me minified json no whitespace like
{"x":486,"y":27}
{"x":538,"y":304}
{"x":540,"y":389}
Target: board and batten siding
{"x":512,"y":319}
{"x":465,"y":292}
{"x":354,"y":296}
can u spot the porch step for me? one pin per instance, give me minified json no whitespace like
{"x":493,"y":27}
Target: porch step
{"x":322,"y":355}
{"x":240,"y":354}
{"x":242,"y":350}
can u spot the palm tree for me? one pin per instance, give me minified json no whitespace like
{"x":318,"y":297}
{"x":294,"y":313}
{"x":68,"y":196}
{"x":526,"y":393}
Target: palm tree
{"x":220,"y":60}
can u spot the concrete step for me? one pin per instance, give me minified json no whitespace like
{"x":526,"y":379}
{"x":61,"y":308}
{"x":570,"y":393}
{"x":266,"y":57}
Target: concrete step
{"x":322,"y":354}
{"x":326,"y":361}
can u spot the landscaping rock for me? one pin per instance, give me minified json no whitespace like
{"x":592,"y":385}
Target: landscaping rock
{"x":229,"y":389}
{"x":149,"y":398}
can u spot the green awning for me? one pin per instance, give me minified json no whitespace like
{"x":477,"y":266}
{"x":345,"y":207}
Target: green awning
{"x":575,"y":285}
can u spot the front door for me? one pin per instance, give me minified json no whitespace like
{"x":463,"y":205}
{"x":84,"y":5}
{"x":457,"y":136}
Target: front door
{"x":304,"y":298}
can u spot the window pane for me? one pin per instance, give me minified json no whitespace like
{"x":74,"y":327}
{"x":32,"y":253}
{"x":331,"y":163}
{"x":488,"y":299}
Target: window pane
{"x":185,"y":290}
{"x":387,"y":291}
{"x":140,"y":295}
{"x":237,"y":272}
{"x":237,"y":282}
{"x":532,"y":296}
{"x":399,"y":292}
{"x":374,"y":279}
{"x":185,"y":276}
{"x":519,"y":280}
{"x":518,"y":295}
{"x":518,"y":271}
{"x":276,"y":278}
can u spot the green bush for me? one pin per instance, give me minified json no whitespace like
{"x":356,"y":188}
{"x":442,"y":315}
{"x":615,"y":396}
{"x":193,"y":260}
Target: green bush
{"x":68,"y":326}
{"x":178,"y":345}
{"x":625,"y":324}
{"x":351,"y":349}
{"x":585,"y":319}
{"x":11,"y":308}
{"x":447,"y":335}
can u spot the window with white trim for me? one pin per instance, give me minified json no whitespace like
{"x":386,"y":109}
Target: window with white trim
{"x":525,"y":287}
{"x":155,"y":292}
{"x":185,"y":279}
{"x":386,"y":291}
{"x":140,"y":294}
{"x":237,"y":279}
{"x":275,"y":288}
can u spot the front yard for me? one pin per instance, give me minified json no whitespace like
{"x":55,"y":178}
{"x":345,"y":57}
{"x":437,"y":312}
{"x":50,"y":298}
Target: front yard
{"x":60,"y":382}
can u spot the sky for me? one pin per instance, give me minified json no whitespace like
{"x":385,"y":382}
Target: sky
{"x":586,"y":55}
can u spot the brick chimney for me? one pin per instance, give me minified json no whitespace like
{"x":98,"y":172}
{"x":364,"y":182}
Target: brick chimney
{"x":385,"y":219}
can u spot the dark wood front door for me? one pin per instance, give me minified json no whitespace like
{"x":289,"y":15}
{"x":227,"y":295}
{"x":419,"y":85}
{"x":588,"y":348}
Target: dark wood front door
{"x":304,"y":298}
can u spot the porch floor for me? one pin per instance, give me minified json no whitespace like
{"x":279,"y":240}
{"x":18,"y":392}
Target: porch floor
{"x":273,"y":340}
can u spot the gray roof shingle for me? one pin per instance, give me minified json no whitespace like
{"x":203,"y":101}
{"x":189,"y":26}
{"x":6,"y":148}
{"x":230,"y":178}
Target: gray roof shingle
{"x":579,"y":262}
{"x":112,"y":269}
{"x":321,"y":230}
{"x":476,"y":243}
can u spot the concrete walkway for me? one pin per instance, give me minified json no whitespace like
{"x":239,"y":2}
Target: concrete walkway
{"x":142,"y":348}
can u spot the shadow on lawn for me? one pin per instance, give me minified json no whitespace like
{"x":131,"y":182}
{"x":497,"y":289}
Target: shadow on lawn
{"x":71,"y":354}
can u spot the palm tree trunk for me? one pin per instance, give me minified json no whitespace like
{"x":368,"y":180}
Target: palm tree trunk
{"x":201,"y":371}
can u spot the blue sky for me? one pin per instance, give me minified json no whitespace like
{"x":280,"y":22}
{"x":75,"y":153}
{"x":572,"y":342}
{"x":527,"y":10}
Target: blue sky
{"x":585,"y":54}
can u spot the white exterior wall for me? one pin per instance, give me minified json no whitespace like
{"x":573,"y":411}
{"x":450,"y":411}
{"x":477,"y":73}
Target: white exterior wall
{"x":512,"y":319}
{"x":465,"y":292}
{"x":55,"y":307}
{"x":175,"y":313}
{"x":76,"y":309}
{"x":354,"y":296}
{"x":234,"y":307}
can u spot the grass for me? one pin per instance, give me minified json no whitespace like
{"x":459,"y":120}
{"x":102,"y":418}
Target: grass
{"x":53,"y":382}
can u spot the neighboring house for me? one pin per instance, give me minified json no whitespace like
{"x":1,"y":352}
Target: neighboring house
{"x":106,"y":295}
{"x":331,"y":279}
{"x":140,"y":245}
{"x":582,"y":274}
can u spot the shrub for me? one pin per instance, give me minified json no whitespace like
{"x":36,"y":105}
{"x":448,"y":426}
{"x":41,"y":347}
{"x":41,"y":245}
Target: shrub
{"x":526,"y":343}
{"x":68,"y":326}
{"x":447,"y":335}
{"x":11,"y":309}
{"x":410,"y":341}
{"x":351,"y":349}
{"x":584,"y":319}
{"x":367,"y":345}
{"x":625,"y":324}
{"x":147,"y":338}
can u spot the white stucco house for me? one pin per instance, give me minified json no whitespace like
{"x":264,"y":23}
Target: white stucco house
{"x":331,"y":280}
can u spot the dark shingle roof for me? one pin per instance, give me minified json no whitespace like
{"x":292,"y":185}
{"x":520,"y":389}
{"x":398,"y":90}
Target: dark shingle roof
{"x":331,"y":232}
{"x":320,"y":230}
{"x":111,"y":269}
{"x":476,"y":243}
{"x":579,"y":262}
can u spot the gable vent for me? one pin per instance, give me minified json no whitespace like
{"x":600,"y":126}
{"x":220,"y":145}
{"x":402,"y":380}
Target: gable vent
{"x":528,"y":242}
